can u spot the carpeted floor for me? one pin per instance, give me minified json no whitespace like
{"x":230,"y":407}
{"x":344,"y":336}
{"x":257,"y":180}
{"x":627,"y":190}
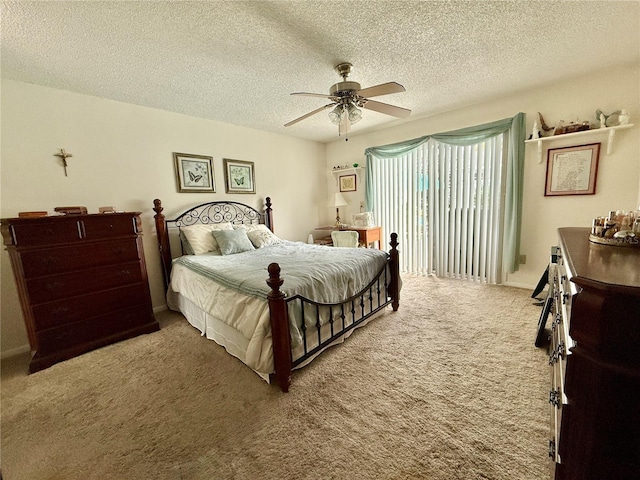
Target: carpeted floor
{"x":449,"y":387}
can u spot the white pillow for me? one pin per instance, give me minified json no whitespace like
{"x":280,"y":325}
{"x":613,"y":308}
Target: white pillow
{"x":261,"y":236}
{"x":200,"y":239}
{"x":248,"y":227}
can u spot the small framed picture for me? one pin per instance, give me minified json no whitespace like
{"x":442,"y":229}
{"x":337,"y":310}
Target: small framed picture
{"x":348,"y":183}
{"x":572,"y":170}
{"x":194,"y":173}
{"x":239,"y":176}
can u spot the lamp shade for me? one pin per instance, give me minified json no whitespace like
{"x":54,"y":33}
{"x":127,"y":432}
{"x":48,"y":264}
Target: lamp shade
{"x":336,"y":114}
{"x":337,"y":201}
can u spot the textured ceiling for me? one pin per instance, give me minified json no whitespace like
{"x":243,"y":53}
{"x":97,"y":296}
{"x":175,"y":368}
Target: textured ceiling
{"x":238,"y":61}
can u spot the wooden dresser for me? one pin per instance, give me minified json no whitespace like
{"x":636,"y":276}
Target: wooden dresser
{"x":595,"y":361}
{"x":82,"y":282}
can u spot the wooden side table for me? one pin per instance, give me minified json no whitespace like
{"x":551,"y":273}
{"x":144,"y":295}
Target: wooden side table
{"x":366,"y":235}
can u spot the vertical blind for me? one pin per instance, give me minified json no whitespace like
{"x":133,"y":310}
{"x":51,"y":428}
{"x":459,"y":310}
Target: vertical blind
{"x":445,"y":203}
{"x":454,"y":198}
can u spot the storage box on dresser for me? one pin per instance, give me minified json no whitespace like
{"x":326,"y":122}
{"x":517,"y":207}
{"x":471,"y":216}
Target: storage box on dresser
{"x":595,"y":361}
{"x":82,"y":282}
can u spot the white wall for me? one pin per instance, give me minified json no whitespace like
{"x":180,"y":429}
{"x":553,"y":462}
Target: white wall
{"x":122,"y":156}
{"x":618,"y":182}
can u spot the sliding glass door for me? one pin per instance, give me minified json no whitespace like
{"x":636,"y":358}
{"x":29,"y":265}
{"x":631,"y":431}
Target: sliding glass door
{"x":446,"y":203}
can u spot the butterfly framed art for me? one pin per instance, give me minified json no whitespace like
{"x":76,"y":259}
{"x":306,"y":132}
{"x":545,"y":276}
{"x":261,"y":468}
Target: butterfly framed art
{"x":194,"y":173}
{"x":239,"y":176}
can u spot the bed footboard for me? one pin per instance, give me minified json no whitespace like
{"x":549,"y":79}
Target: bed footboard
{"x":383,"y":290}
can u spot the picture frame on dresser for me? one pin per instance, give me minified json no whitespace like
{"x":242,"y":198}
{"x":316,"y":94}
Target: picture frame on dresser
{"x":194,"y":173}
{"x":572,"y":170}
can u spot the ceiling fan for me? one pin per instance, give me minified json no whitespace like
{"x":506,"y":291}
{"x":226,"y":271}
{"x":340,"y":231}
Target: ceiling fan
{"x":348,"y":98}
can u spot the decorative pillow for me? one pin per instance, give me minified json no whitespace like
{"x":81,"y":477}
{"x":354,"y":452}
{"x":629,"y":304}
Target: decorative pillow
{"x":199,"y":239}
{"x":261,"y":236}
{"x":186,"y":246}
{"x":232,"y":241}
{"x":248,"y":227}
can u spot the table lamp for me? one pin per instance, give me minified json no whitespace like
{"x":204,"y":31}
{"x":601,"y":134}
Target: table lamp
{"x":338,"y":201}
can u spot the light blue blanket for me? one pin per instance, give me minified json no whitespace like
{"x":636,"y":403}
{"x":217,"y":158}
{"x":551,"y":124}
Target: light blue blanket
{"x":322,"y":274}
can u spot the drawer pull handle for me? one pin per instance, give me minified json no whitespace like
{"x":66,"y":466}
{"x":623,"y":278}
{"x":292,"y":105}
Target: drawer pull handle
{"x":49,"y":261}
{"x":554,"y":398}
{"x":561,"y":350}
{"x":54,"y":285}
{"x":60,"y":310}
{"x":118,"y":251}
{"x":124,"y":273}
{"x":63,"y":335}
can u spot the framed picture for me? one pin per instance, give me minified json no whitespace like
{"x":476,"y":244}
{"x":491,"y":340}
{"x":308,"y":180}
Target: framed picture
{"x":239,"y":176}
{"x":347,"y":183}
{"x":572,"y":170}
{"x":194,"y":173}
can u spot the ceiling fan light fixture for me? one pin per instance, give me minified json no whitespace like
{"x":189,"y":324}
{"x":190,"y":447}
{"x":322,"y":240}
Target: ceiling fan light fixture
{"x":355,"y":114}
{"x":336,"y":114}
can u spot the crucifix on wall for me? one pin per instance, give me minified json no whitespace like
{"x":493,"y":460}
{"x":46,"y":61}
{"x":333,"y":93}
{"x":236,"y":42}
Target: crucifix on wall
{"x":63,"y":156}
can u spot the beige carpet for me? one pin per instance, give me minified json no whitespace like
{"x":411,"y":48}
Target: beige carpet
{"x":449,"y":387}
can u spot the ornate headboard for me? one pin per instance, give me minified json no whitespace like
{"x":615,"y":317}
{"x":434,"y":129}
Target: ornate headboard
{"x":206,"y":213}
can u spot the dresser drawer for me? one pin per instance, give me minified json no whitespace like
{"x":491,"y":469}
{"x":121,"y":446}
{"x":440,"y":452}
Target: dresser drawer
{"x":73,"y":309}
{"x":47,"y":289}
{"x":50,"y":231}
{"x":46,"y":232}
{"x":99,"y":227}
{"x":36,"y":263}
{"x":99,"y":328}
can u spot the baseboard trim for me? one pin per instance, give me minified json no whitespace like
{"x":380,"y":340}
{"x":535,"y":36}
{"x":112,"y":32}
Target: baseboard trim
{"x":25,"y":348}
{"x":14,"y":352}
{"x":519,"y":285}
{"x":161,"y":308}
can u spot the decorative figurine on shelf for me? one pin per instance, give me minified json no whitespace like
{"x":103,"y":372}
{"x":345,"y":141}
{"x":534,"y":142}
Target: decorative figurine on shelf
{"x":610,"y":120}
{"x":623,"y":118}
{"x":603,"y":120}
{"x":536,"y":130}
{"x":546,"y":128}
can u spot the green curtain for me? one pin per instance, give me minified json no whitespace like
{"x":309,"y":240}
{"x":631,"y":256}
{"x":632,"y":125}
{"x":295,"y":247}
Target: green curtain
{"x":469,"y":136}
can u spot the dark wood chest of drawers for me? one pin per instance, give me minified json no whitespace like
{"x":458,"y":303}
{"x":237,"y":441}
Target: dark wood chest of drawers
{"x":595,"y":361}
{"x":82,"y":282}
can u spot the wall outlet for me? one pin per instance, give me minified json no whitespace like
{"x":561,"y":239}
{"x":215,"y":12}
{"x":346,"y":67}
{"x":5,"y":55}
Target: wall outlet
{"x":361,"y":205}
{"x":523,"y":259}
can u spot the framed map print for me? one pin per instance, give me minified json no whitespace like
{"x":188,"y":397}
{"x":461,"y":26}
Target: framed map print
{"x":572,"y":170}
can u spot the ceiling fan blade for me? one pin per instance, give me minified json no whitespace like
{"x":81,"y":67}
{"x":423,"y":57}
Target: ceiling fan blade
{"x":321,"y":95}
{"x":387,"y":109}
{"x":382,"y":89}
{"x":317,"y":110}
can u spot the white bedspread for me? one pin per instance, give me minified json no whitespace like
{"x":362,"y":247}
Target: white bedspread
{"x":233,"y":289}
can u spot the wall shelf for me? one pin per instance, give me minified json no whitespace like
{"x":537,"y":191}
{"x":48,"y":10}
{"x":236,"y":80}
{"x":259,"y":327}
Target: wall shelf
{"x":345,"y":171}
{"x":609,"y":131}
